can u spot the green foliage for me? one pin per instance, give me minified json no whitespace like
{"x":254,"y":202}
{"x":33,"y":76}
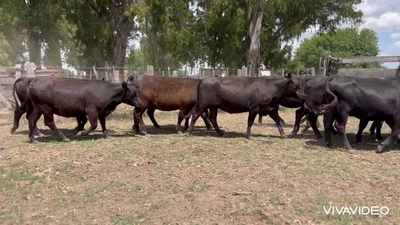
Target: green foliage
{"x":4,"y":49}
{"x":342,"y":43}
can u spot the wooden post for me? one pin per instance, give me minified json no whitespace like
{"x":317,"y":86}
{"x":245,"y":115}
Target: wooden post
{"x":159,"y":72}
{"x":90,"y":74}
{"x":95,"y":72}
{"x":150,"y":70}
{"x":212,"y":72}
{"x":227,"y":72}
{"x":244,"y":71}
{"x":18,"y":72}
{"x":174,"y":73}
{"x":30,"y":70}
{"x":239,"y":73}
{"x":169,"y":72}
{"x":79,"y":75}
{"x":312,"y":71}
{"x":163,"y":73}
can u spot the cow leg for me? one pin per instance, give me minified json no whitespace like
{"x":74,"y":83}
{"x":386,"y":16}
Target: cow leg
{"x":213,"y":119}
{"x":250,"y":120}
{"x":150,"y":113}
{"x":181,"y":116}
{"x":313,"y":120}
{"x":275,"y":116}
{"x":299,"y":115}
{"x":18,"y":112}
{"x":378,"y":130}
{"x":361,"y":127}
{"x":282,"y":121}
{"x":328,"y":127}
{"x":93,"y":123}
{"x":204,"y":116}
{"x":186,"y":123}
{"x":36,"y":131}
{"x":33,"y":118}
{"x":196,"y":114}
{"x":82,"y":120}
{"x":49,"y":121}
{"x":138,"y":120}
{"x":260,"y":118}
{"x":372,"y":128}
{"x":102,"y":120}
{"x":340,"y":126}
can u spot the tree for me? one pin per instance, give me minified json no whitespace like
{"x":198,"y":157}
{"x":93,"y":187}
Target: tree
{"x":102,"y":29}
{"x":342,"y":43}
{"x":4,"y":49}
{"x":284,"y":20}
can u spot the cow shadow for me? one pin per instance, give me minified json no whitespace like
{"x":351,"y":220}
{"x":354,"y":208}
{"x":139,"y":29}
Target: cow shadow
{"x":270,"y":125}
{"x":368,"y":142}
{"x":51,"y":136}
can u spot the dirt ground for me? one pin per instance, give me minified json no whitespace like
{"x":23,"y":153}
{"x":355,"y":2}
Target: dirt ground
{"x":166,"y":178}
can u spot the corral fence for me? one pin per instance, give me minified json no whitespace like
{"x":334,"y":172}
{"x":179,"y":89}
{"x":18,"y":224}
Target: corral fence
{"x":337,"y":66}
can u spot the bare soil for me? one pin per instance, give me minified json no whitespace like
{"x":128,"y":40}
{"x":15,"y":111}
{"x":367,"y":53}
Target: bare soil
{"x":167,"y":178}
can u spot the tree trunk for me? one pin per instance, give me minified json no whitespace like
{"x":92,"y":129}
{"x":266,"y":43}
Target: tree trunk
{"x":119,"y":50}
{"x":254,"y":19}
{"x":34,"y":47}
{"x":53,"y":53}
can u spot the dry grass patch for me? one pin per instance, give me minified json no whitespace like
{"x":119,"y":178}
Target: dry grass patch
{"x":164,"y":177}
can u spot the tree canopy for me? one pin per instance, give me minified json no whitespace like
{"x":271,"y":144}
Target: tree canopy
{"x":171,"y":33}
{"x":342,"y":43}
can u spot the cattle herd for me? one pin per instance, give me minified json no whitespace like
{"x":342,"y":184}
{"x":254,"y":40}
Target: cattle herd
{"x":336,"y":98}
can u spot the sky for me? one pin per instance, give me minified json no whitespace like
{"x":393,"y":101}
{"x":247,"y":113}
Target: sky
{"x":382,"y":16}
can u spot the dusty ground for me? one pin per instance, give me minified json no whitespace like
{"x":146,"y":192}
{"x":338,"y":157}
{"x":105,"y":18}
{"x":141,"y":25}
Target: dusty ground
{"x":166,"y":178}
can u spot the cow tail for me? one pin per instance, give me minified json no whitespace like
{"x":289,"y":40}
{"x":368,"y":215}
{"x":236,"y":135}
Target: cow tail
{"x":327,"y":107}
{"x":28,"y":93}
{"x":16,"y":99}
{"x":197,"y":100}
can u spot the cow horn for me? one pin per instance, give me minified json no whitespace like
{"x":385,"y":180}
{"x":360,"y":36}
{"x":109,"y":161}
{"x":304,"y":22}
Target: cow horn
{"x":327,"y":107}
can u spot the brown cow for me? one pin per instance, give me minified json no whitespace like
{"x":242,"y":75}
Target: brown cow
{"x":165,"y":94}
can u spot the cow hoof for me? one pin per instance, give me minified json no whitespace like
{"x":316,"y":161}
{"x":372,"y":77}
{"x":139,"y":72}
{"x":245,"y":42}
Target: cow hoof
{"x":32,"y":141}
{"x":105,"y":134}
{"x":13,"y":129}
{"x":351,"y":151}
{"x":330,"y":146}
{"x":141,"y":132}
{"x":293,"y":133}
{"x":80,"y":133}
{"x":77,"y":129}
{"x":179,"y":132}
{"x":65,"y":140}
{"x":379,"y":150}
{"x":283,"y":136}
{"x":222,"y":133}
{"x":319,"y":137}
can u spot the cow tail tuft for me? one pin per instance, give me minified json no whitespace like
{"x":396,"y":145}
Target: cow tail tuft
{"x":197,"y":100}
{"x":16,"y":99}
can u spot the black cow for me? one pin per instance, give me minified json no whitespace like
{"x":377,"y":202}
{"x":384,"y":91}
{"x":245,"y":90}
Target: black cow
{"x":244,"y":94}
{"x":75,"y":98}
{"x":368,"y":99}
{"x":19,"y":94}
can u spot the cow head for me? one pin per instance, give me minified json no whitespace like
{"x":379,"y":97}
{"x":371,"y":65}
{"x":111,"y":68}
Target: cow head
{"x":295,"y":84}
{"x":130,"y":95}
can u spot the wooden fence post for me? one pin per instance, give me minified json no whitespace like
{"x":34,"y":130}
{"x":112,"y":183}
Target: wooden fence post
{"x":30,"y":70}
{"x":244,"y":71}
{"x":18,"y":72}
{"x":150,"y":70}
{"x":169,"y":72}
{"x":95,"y":73}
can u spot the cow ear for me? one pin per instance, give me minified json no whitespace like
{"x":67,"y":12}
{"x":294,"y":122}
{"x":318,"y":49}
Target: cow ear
{"x":124,"y":85}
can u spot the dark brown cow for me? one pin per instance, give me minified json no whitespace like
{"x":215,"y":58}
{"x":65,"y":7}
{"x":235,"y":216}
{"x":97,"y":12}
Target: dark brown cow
{"x":244,"y":94}
{"x":166,"y":94}
{"x":75,"y":98}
